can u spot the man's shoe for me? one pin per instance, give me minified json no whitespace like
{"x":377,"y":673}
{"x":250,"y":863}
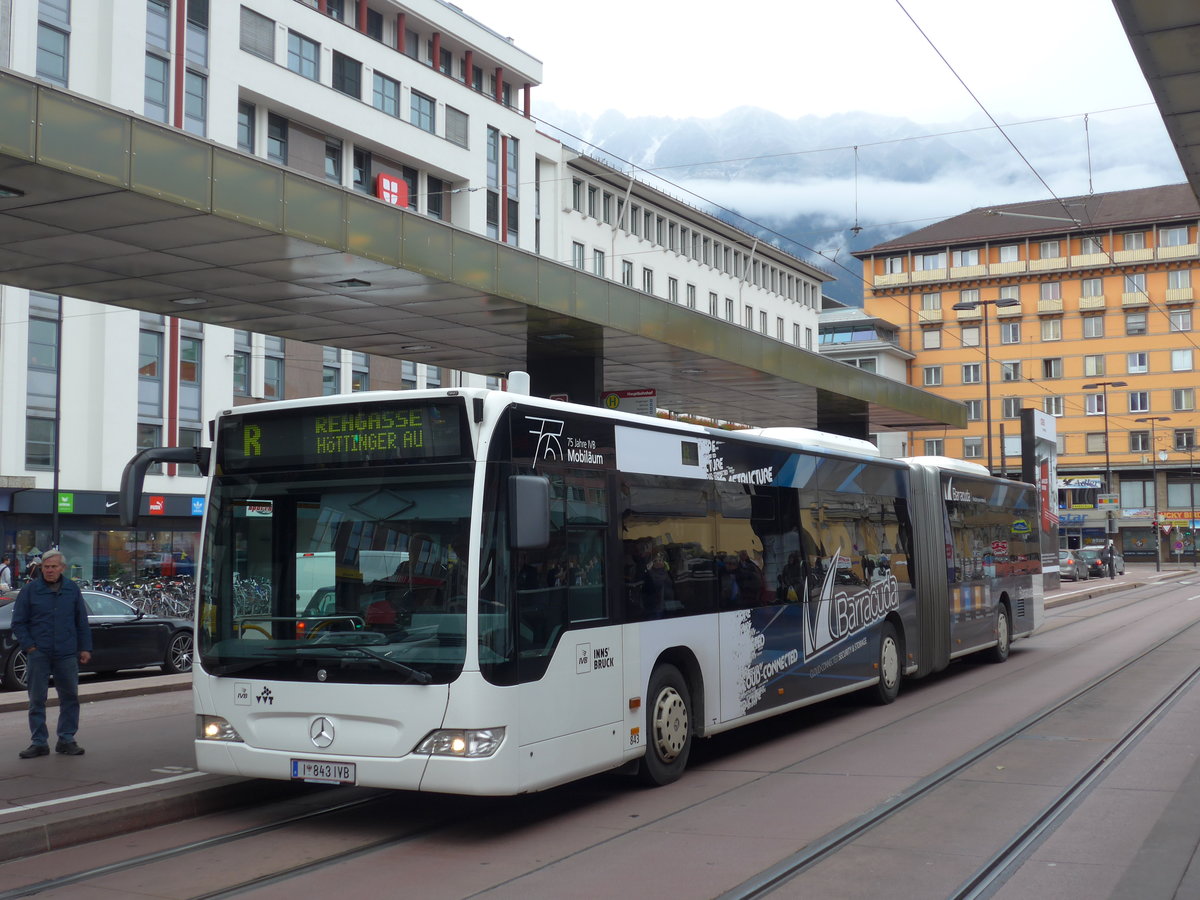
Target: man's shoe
{"x":68,"y":748}
{"x":34,"y":750}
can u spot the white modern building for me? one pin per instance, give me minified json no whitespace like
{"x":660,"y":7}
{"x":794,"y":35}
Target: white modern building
{"x":417,"y":104}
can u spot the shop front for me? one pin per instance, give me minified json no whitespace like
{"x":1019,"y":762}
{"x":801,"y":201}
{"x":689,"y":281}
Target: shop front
{"x":97,"y":548}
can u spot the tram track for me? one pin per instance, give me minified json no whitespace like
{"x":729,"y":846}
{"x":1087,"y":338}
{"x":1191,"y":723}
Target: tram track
{"x":482,"y":815}
{"x":986,"y":877}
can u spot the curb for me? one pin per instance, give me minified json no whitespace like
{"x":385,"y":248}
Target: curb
{"x":1111,"y":587}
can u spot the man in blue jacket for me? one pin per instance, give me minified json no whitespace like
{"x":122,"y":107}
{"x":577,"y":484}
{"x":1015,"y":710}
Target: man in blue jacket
{"x":50,"y":623}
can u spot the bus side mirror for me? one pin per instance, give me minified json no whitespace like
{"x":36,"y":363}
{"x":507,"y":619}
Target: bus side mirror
{"x":528,"y":512}
{"x":129,"y":500}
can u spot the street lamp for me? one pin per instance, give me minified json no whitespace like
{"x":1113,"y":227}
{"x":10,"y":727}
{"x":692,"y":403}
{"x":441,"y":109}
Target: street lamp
{"x":1109,"y":517}
{"x":987,"y":359}
{"x":1154,"y":483}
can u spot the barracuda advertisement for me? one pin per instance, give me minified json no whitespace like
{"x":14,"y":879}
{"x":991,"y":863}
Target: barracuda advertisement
{"x":787,"y":653}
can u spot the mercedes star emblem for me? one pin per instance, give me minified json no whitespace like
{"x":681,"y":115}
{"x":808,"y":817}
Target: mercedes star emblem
{"x":321,"y":732}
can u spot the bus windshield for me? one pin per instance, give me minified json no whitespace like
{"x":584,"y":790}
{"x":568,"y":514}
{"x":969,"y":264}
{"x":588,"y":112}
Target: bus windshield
{"x":350,"y":576}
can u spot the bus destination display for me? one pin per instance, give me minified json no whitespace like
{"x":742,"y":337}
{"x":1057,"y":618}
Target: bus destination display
{"x":341,"y":435}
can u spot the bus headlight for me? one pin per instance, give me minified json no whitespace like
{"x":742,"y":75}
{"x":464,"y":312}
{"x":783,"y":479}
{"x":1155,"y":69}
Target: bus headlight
{"x":475,"y":743}
{"x":214,"y":728}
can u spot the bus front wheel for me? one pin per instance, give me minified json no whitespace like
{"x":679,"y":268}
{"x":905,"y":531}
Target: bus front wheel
{"x":668,"y":727}
{"x":888,"y":686}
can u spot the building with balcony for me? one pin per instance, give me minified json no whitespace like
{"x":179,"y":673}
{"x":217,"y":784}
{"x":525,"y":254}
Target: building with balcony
{"x":414,"y":104}
{"x":1081,"y":308}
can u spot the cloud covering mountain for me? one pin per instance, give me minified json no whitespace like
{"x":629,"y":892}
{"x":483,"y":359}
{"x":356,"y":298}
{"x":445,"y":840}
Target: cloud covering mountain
{"x":806,"y":183}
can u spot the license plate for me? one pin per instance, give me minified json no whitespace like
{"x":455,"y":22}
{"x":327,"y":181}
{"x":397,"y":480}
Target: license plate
{"x":323,"y":771}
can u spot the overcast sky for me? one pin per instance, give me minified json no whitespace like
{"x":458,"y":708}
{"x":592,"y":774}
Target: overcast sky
{"x":1022,"y":58}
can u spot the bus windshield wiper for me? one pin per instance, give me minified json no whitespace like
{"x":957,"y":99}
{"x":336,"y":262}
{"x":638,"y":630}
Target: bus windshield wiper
{"x":413,"y":674}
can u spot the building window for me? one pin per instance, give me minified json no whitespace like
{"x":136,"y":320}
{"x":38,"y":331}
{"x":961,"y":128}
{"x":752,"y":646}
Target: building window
{"x":1183,"y":399}
{"x":626,"y":273}
{"x":931,"y":338}
{"x":926,"y":262}
{"x":195,"y":103}
{"x":331,"y":371}
{"x":932,"y":376}
{"x":965,"y":257}
{"x":245,"y":127}
{"x":1089,"y":245}
{"x":1010,"y":332}
{"x":241,"y":363}
{"x":1051,"y":290}
{"x":972,"y":448}
{"x":190,"y":359}
{"x":360,"y":372}
{"x":1135,"y":323}
{"x":1093,"y":364}
{"x":1010,"y":253}
{"x":1181,"y":320}
{"x":1139,"y":401}
{"x":257,"y":37}
{"x":972,"y":373}
{"x":1139,"y":441}
{"x":1010,"y":407}
{"x":457,"y":126}
{"x":1181,"y":360}
{"x":691,"y":296}
{"x":1135,"y":284}
{"x":1048,"y":250}
{"x":762,"y":321}
{"x":934,"y":447}
{"x":1179,"y":279}
{"x":748,"y":316}
{"x":1133,"y":240}
{"x":970,"y":335}
{"x":360,"y":175}
{"x":647,"y":280}
{"x":436,"y":192}
{"x":277,"y":138}
{"x":158,"y":82}
{"x":422,"y":112}
{"x":1094,"y":404}
{"x":150,"y":374}
{"x":1138,"y":363}
{"x":1094,"y":442}
{"x":931,"y":302}
{"x":1053,"y":405}
{"x":1052,"y":367}
{"x":1052,"y":329}
{"x":1176,"y":236}
{"x":333,"y":160}
{"x":577,"y":255}
{"x":385,"y":94}
{"x":1185,"y":439}
{"x":273,"y":368}
{"x":304,"y":56}
{"x":974,"y":410}
{"x":347,"y":75}
{"x":1093,"y":287}
{"x":673,"y":290}
{"x":52,"y":52}
{"x":970,"y":295}
{"x":1093,"y":326}
{"x":598,"y":263}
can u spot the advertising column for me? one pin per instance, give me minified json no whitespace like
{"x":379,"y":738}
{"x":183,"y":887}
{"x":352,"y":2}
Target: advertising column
{"x":1039,"y":466}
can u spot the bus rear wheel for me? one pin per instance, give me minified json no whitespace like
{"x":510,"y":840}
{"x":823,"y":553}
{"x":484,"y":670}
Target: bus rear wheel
{"x":668,"y":727}
{"x":999,"y":653}
{"x":888,"y":686}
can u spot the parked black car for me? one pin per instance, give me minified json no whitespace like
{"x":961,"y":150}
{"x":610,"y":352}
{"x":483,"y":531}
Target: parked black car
{"x":122,"y":638}
{"x":1095,"y":561}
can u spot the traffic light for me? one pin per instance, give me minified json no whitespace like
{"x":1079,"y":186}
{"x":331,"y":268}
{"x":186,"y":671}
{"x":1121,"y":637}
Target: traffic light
{"x":1154,"y":524}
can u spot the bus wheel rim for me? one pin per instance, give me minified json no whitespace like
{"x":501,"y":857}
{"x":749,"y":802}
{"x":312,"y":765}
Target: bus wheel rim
{"x":890,"y":662}
{"x":670,"y":724}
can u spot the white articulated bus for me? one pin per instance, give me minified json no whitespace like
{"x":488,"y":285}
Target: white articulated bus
{"x":577,"y":589}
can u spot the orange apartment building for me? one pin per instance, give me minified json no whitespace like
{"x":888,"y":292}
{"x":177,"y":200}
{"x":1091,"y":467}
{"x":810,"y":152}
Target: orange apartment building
{"x":1081,"y":308}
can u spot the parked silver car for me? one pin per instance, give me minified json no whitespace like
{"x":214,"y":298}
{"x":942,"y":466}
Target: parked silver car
{"x":1072,"y":566}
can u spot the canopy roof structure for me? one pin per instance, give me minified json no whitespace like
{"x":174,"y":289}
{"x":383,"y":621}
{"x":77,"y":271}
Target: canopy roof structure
{"x":101,"y":204}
